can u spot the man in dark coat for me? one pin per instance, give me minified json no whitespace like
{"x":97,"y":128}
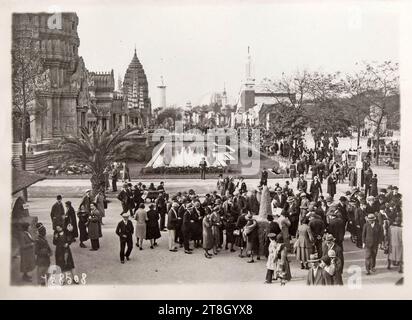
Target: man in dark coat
{"x":203,"y":165}
{"x":371,"y":237}
{"x":115,"y":177}
{"x":231,"y":186}
{"x":172,"y":221}
{"x":360,"y":220}
{"x":187,"y":228}
{"x":57,"y":213}
{"x":336,"y":228}
{"x":161,"y":208}
{"x":123,"y":196}
{"x":264,"y":177}
{"x":130,"y":198}
{"x":317,"y":227}
{"x":368,"y":181}
{"x":125,"y":231}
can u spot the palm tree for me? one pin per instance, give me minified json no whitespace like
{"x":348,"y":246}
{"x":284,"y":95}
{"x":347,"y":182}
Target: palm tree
{"x":97,"y":149}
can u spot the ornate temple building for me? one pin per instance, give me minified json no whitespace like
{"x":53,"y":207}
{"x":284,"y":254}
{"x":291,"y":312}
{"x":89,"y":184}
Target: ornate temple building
{"x":70,"y":96}
{"x":136,"y":93}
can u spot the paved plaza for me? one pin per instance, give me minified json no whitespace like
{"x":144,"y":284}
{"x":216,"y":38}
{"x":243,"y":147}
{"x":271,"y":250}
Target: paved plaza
{"x":159,"y":266}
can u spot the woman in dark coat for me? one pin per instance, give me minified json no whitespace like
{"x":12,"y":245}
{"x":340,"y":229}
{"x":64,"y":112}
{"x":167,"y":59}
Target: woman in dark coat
{"x":64,"y":258}
{"x":27,"y":262}
{"x":240,"y":241}
{"x":152,"y":225}
{"x":93,"y":227}
{"x":83,"y":218}
{"x":230,"y":228}
{"x":207,"y":235}
{"x":374,"y":186}
{"x":315,"y":189}
{"x":197,"y":217}
{"x":70,"y":223}
{"x":331,"y":181}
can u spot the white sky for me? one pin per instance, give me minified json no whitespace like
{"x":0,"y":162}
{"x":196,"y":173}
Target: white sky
{"x":205,"y":46}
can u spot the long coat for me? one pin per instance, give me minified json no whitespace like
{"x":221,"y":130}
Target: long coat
{"x":304,"y":243}
{"x":64,"y":258}
{"x":395,"y":244}
{"x":93,"y":225}
{"x":57,"y":215}
{"x":371,"y":236}
{"x":27,"y":262}
{"x":152,"y":225}
{"x":207,"y":233}
{"x":331,"y":186}
{"x":141,"y":219}
{"x":83,"y":218}
{"x":43,"y":252}
{"x":70,"y":218}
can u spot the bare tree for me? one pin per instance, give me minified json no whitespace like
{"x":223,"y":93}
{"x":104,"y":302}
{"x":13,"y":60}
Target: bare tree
{"x":327,"y":121}
{"x":353,"y":92}
{"x":380,"y":81}
{"x":27,"y":78}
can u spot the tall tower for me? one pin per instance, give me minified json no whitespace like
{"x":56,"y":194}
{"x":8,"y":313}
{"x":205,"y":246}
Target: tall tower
{"x":224,"y":96}
{"x":162,"y":94}
{"x":249,"y":79}
{"x":247,"y":95}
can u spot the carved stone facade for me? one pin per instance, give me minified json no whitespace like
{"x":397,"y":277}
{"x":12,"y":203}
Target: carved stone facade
{"x":71,"y":97}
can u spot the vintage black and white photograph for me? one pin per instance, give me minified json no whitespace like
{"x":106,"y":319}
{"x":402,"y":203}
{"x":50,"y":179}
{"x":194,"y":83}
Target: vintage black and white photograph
{"x":184,"y":143}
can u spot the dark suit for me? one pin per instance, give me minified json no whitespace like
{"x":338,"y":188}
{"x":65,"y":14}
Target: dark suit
{"x":318,"y":229}
{"x":57,"y":215}
{"x":371,"y":237}
{"x":125,"y":232}
{"x":318,"y":280}
{"x":123,"y":196}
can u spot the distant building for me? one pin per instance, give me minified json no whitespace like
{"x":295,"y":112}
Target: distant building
{"x":256,"y":103}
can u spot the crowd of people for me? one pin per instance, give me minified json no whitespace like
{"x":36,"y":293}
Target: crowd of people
{"x":303,"y":223}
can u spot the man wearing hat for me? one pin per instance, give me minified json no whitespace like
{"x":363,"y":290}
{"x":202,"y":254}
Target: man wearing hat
{"x":317,"y":227}
{"x":329,"y":244}
{"x":302,"y":184}
{"x":371,"y":237}
{"x":57,"y":213}
{"x":279,"y":199}
{"x":315,"y":274}
{"x":125,"y":231}
{"x":372,"y":206}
